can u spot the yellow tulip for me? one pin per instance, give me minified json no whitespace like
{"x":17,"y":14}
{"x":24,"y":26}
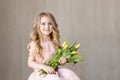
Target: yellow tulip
{"x":65,"y":47}
{"x":65,"y":43}
{"x":74,"y":52}
{"x":77,"y":46}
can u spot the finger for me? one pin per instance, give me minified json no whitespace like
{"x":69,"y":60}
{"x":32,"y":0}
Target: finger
{"x":59,"y":60}
{"x":63,"y":62}
{"x":51,"y":70}
{"x":64,"y":59}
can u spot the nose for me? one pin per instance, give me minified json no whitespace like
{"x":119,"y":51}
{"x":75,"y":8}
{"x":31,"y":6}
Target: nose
{"x":46,"y":26}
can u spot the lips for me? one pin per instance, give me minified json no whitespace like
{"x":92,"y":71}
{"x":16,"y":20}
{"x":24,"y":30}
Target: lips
{"x":46,"y":30}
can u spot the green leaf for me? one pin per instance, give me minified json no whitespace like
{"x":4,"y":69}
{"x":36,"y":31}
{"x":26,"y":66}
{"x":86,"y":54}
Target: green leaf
{"x":67,"y":54}
{"x":72,"y":47}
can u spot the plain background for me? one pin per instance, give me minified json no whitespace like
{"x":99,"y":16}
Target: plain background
{"x":95,"y":24}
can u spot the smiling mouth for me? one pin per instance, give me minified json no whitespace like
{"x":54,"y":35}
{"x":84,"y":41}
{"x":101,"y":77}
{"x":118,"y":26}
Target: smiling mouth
{"x":46,"y":30}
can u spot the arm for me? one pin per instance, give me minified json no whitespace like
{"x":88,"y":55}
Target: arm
{"x":33,"y":64}
{"x":31,"y":57}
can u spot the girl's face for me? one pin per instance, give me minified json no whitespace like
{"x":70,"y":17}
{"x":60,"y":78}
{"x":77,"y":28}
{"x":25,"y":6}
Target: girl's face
{"x":46,"y":27}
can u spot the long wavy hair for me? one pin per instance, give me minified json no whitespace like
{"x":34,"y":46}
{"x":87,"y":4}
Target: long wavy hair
{"x":36,"y":35}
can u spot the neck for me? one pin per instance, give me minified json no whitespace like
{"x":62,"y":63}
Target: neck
{"x":46,"y":38}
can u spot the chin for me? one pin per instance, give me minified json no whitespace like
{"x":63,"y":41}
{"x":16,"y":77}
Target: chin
{"x":47,"y":34}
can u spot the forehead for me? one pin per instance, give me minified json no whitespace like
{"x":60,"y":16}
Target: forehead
{"x":46,"y":19}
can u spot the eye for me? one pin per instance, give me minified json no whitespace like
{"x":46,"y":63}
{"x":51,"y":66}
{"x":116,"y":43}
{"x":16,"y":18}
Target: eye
{"x":49,"y":23}
{"x":42,"y":23}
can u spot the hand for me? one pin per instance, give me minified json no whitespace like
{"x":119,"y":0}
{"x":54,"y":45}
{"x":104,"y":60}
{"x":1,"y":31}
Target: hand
{"x":62,"y":60}
{"x":49,"y":69}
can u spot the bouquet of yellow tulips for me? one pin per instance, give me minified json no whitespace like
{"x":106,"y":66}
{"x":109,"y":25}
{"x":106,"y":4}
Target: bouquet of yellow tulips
{"x":70,"y":53}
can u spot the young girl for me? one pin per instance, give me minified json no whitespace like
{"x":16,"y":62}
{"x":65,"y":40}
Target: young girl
{"x":45,"y":39}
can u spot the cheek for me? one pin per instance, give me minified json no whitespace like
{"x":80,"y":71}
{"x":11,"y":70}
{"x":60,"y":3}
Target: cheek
{"x":41,"y":28}
{"x":51,"y":29}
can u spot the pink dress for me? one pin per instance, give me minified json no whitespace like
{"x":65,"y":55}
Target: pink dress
{"x":61,"y":74}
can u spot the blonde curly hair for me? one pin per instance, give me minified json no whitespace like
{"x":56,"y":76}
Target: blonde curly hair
{"x":36,"y":35}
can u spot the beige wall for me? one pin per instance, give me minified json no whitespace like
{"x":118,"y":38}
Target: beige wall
{"x":93,"y":23}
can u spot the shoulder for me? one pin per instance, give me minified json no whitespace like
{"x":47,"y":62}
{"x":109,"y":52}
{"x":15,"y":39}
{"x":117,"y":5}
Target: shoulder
{"x":31,"y":47}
